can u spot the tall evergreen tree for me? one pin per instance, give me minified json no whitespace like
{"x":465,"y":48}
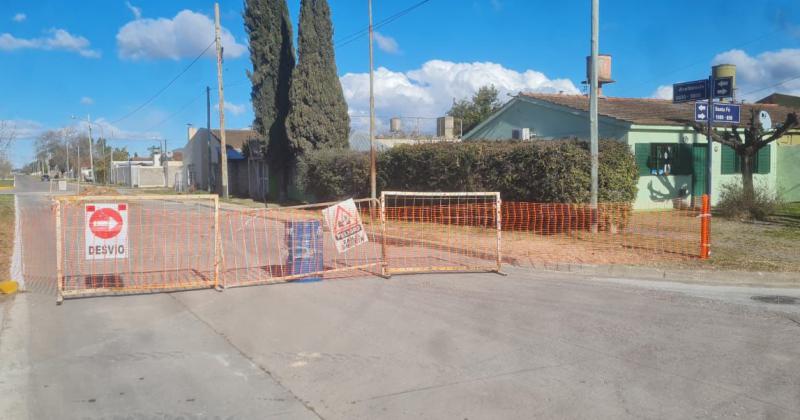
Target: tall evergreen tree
{"x":272,"y":54}
{"x":318,"y":112}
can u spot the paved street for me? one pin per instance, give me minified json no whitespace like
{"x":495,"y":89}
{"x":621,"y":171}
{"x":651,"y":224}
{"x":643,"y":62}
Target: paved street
{"x":424,"y":346}
{"x":527,"y":345}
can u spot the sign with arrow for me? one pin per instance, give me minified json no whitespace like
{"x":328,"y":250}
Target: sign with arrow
{"x":723,"y":87}
{"x":106,"y":231}
{"x":722,"y":113}
{"x":690,"y":91}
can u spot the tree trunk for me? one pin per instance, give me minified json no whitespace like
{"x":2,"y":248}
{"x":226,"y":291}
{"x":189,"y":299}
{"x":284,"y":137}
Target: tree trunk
{"x":747,"y":177}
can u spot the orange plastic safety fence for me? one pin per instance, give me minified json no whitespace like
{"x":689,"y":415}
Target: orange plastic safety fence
{"x":428,"y":232}
{"x":170,"y":245}
{"x":295,"y":244}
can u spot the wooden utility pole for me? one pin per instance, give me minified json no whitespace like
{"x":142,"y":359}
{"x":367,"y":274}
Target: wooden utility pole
{"x":372,"y":164}
{"x":223,"y":152}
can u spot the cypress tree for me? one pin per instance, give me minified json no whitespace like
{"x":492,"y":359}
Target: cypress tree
{"x":318,"y":112}
{"x":272,"y":54}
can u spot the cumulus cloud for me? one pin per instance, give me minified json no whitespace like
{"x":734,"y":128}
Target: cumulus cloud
{"x":768,"y":72}
{"x":137,"y":11}
{"x":183,"y":36}
{"x":430,"y":90}
{"x":663,"y":92}
{"x":19,"y":17}
{"x":57,"y":39}
{"x":234,"y":109}
{"x":87,"y":101}
{"x":386,"y":43}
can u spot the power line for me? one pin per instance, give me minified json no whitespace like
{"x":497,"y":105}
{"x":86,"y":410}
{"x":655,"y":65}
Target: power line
{"x":772,"y":86}
{"x":356,"y":35}
{"x":174,"y":114}
{"x":160,"y":91}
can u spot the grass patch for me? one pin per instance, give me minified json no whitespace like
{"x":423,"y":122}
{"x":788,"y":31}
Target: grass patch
{"x":6,"y":183}
{"x":6,"y":234}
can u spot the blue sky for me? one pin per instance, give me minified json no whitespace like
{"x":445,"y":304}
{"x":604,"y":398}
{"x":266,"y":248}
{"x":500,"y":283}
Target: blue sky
{"x":107,"y":57}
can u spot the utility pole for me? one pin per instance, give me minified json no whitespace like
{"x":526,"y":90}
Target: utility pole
{"x":91,"y":146}
{"x":372,"y":164}
{"x":593,"y":110}
{"x":223,"y":145}
{"x":710,"y":152}
{"x":208,"y":137}
{"x":166,"y":165}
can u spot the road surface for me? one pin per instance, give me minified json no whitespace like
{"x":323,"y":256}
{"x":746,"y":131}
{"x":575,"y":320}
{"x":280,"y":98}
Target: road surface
{"x":527,"y":345}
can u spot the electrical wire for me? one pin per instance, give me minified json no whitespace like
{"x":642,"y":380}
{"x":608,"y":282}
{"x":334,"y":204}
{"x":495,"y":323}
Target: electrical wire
{"x":160,"y":91}
{"x":356,"y":35}
{"x":174,"y":114}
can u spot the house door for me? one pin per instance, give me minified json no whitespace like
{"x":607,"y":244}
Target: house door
{"x":699,"y":169}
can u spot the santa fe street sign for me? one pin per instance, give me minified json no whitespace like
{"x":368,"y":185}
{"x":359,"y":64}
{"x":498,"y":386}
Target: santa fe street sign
{"x":723,"y":113}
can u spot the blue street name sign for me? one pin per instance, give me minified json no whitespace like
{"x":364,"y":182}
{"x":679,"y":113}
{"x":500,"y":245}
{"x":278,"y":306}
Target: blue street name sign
{"x":690,"y":91}
{"x":723,"y":87}
{"x":722,"y":113}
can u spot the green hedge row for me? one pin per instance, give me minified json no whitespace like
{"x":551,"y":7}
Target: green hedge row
{"x":541,"y":171}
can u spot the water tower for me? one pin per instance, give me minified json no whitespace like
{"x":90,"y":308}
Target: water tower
{"x":603,"y":71}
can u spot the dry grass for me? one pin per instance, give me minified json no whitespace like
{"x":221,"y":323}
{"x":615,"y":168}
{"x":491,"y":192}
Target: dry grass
{"x":6,"y":234}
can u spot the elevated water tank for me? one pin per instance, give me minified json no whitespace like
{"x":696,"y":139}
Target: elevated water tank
{"x":603,"y":68}
{"x":395,"y":125}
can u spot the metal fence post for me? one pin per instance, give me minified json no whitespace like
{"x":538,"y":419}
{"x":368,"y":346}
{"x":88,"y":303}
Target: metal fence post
{"x":499,"y":216}
{"x":217,"y":245}
{"x":705,"y":228}
{"x":59,"y":245}
{"x":385,"y":267}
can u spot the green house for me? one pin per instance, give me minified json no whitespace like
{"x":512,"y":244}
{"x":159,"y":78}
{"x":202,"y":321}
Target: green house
{"x":670,"y":155}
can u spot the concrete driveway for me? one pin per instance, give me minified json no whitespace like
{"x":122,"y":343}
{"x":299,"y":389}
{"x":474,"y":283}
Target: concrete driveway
{"x":477,"y":346}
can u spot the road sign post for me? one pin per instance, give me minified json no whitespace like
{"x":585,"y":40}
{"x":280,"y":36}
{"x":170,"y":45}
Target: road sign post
{"x":719,"y":112}
{"x":710,"y":153}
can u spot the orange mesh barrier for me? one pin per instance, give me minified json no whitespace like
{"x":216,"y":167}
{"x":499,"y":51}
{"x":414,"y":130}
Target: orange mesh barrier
{"x":294,"y":244}
{"x":427,"y":232}
{"x":135,"y":244}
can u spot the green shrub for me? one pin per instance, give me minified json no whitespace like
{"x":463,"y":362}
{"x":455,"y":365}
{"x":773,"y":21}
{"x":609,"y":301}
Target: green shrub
{"x":734,"y":204}
{"x":556,"y":171}
{"x":332,"y":174}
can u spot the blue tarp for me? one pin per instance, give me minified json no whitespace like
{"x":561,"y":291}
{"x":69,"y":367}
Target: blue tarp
{"x":234,"y":154}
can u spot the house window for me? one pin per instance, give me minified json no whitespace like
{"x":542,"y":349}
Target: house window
{"x":664,"y":159}
{"x":732,"y":163}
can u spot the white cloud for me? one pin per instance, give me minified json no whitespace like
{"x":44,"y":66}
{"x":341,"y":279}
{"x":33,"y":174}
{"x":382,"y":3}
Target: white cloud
{"x":87,"y":101}
{"x":183,"y":36}
{"x":19,"y":17}
{"x":663,"y":92}
{"x":137,"y":11}
{"x":233,"y":108}
{"x":58,"y":39}
{"x":768,"y":72}
{"x":387,"y":43}
{"x":430,"y":90}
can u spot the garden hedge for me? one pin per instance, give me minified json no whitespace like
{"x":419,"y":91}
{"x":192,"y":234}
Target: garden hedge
{"x":556,"y":171}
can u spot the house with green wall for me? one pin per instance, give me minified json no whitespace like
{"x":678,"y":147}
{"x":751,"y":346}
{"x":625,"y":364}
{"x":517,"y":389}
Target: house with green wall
{"x":671,"y":157}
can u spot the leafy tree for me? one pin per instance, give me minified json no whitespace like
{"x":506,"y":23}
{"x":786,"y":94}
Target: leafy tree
{"x":7,"y":134}
{"x":484,"y":103}
{"x":318,"y":116}
{"x":746,"y":143}
{"x":104,"y":155}
{"x":269,"y":29}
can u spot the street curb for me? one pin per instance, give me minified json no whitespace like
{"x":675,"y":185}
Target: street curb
{"x":8,"y":287}
{"x":728,"y":278}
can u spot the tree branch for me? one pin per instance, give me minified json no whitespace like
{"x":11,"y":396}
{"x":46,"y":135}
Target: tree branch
{"x":789,"y":124}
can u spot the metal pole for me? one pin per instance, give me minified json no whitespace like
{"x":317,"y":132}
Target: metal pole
{"x":593,"y":110}
{"x":709,"y":157}
{"x":166,"y":165}
{"x":91,"y":146}
{"x":223,"y":145}
{"x":372,"y":164}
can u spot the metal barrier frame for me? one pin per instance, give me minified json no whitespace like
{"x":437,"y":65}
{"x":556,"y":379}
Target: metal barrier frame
{"x":432,"y":269}
{"x":67,"y":294}
{"x":383,"y":263}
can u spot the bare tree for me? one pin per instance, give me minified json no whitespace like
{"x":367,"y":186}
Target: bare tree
{"x":7,"y":135}
{"x":747,"y":144}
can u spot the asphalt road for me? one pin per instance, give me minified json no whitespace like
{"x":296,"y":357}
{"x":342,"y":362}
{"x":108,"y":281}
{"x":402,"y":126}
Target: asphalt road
{"x":477,"y":346}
